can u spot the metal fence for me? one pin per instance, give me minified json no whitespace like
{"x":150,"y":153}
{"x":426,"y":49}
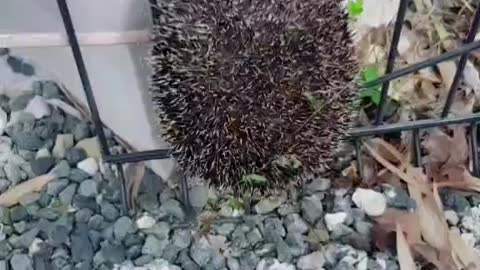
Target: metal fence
{"x":355,"y":134}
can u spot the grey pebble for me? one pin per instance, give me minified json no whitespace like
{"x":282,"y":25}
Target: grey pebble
{"x":81,"y":131}
{"x":96,"y":222}
{"x":42,"y":165}
{"x":186,"y":262}
{"x":24,"y":240}
{"x":5,"y":249}
{"x":142,"y":260}
{"x":182,"y":238}
{"x":77,"y":175}
{"x":21,"y":262}
{"x":18,"y":213}
{"x":133,"y":239}
{"x":13,"y":173}
{"x":81,"y":246}
{"x":134,"y":252}
{"x":224,"y":228}
{"x":58,"y":234}
{"x":121,"y":227}
{"x":201,"y":253}
{"x":20,"y":227}
{"x":28,"y":141}
{"x":88,"y":188}
{"x":83,"y":215}
{"x":312,"y":208}
{"x":173,"y":208}
{"x":20,"y":102}
{"x":56,"y":186}
{"x":66,"y":196}
{"x":75,"y":155}
{"x":248,"y":261}
{"x":109,"y":211}
{"x":153,"y":246}
{"x":50,"y":90}
{"x":4,"y":185}
{"x":62,"y":169}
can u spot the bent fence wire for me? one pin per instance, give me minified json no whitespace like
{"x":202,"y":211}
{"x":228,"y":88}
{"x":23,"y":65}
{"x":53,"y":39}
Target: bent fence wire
{"x":355,"y":134}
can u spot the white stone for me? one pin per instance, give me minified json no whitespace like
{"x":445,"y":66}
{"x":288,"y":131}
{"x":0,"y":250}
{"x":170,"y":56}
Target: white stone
{"x":363,"y":264}
{"x":332,"y":220}
{"x":91,"y":147}
{"x":3,"y":121}
{"x":145,"y":222}
{"x":276,"y":265}
{"x":312,"y":261}
{"x":42,"y":153}
{"x":63,"y":142}
{"x":269,"y":204}
{"x":89,"y":166}
{"x":451,"y":217}
{"x":38,"y":107}
{"x":158,"y":264}
{"x":35,"y":247}
{"x":371,"y":202}
{"x":472,"y":222}
{"x":469,"y":239}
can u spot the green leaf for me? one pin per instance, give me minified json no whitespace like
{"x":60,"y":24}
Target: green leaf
{"x":235,"y":204}
{"x":370,"y":74}
{"x":373,"y":93}
{"x":254,"y":180}
{"x":355,"y":8}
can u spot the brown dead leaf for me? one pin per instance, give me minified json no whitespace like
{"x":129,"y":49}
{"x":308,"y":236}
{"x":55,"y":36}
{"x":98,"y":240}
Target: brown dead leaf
{"x":13,"y":195}
{"x":432,"y":223}
{"x":446,"y":150}
{"x":134,"y":174}
{"x":447,"y":71}
{"x":441,"y":260}
{"x":408,"y":221}
{"x":405,"y":259}
{"x":404,"y":176}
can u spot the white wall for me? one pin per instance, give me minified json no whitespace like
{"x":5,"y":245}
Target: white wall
{"x":119,"y":74}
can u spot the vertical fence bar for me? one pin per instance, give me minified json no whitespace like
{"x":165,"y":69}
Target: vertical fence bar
{"x":123,"y":180}
{"x":472,"y":32}
{"x":417,"y":153}
{"x":82,"y":72}
{"x":391,"y":58}
{"x":474,"y":146}
{"x":358,"y":154}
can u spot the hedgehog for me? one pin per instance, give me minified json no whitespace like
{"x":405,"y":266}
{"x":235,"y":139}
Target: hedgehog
{"x":247,"y":87}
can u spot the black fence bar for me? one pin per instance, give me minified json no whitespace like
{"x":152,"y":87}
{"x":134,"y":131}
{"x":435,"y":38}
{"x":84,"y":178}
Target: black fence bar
{"x":472,"y":32}
{"x":124,"y":191}
{"x":474,"y":146}
{"x":402,"y":9}
{"x":139,"y":156}
{"x":423,"y":64}
{"x":419,"y":124}
{"x":82,"y":71}
{"x":358,"y":155}
{"x":417,"y":151}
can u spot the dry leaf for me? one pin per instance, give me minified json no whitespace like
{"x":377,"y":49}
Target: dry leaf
{"x":407,"y":220}
{"x":447,"y":71}
{"x":134,"y":174}
{"x":67,"y":108}
{"x":404,"y":176}
{"x":12,"y":196}
{"x":449,"y":151}
{"x":405,"y":259}
{"x":432,"y":224}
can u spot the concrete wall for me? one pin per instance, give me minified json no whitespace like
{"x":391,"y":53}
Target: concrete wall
{"x":119,"y":74}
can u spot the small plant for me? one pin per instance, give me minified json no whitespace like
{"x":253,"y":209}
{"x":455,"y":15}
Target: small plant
{"x":236,"y":204}
{"x":355,"y":8}
{"x":253,"y":180}
{"x":373,"y":93}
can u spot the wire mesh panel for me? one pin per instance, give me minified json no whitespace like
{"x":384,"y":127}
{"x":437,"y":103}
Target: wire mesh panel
{"x":379,"y":128}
